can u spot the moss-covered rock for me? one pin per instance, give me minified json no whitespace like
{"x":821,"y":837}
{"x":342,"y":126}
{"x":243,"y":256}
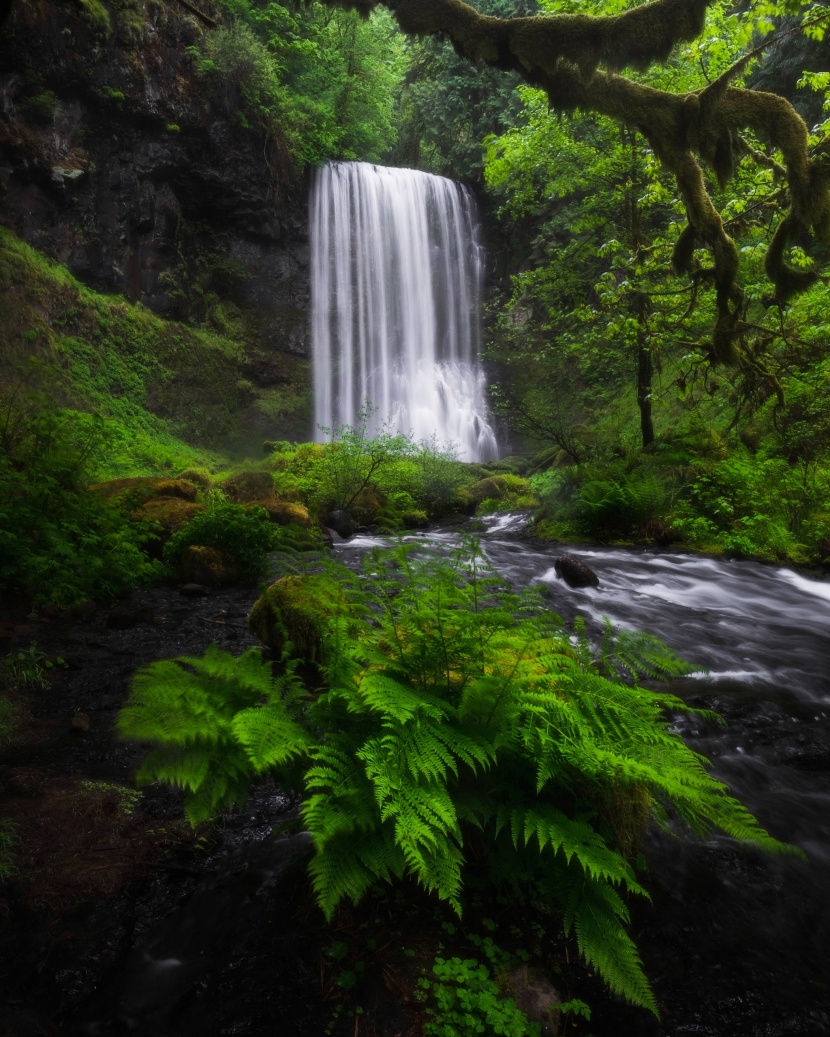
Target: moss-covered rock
{"x":208,"y":566}
{"x":499,"y":487}
{"x":167,"y":514}
{"x":285,"y":513}
{"x":249,"y":486}
{"x":144,"y":488}
{"x":201,"y":477}
{"x":295,"y":610}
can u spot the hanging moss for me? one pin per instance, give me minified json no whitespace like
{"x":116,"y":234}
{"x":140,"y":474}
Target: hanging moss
{"x":574,"y":57}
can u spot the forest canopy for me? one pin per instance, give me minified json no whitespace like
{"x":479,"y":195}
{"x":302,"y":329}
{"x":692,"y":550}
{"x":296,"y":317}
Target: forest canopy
{"x":577,"y":58}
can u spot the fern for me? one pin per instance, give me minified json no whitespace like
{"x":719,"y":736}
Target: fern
{"x":453,"y":712}
{"x":217,"y":720}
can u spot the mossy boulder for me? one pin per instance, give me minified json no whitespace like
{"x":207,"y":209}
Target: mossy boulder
{"x":249,"y":486}
{"x":201,"y":477}
{"x":145,"y":488}
{"x":513,"y":490}
{"x":208,"y":566}
{"x":296,"y":610}
{"x":167,"y":514}
{"x":285,"y":513}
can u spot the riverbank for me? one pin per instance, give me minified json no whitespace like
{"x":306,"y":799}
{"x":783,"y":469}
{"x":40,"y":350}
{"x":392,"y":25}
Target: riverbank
{"x":103,"y":871}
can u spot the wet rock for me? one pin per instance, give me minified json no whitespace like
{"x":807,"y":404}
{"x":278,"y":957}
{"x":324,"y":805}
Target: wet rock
{"x":536,"y":996}
{"x":194,"y":590}
{"x":79,"y":724}
{"x":206,"y":566}
{"x":194,"y":939}
{"x":575,"y":572}
{"x":340,"y":522}
{"x":807,"y":756}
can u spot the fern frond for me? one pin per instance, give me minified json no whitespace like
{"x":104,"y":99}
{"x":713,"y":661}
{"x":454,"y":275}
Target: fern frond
{"x":346,"y":868}
{"x":574,"y":839}
{"x":392,"y":697}
{"x":596,"y":914}
{"x":269,"y":736}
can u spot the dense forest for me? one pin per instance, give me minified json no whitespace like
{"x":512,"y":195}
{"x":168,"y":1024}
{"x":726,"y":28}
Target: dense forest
{"x":654,"y":190}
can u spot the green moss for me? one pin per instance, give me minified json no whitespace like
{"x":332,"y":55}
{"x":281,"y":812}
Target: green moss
{"x":97,"y":14}
{"x":296,"y":610}
{"x":171,"y":395}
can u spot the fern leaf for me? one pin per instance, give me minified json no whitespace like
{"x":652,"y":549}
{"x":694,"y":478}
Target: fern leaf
{"x":595,"y":912}
{"x":269,"y":736}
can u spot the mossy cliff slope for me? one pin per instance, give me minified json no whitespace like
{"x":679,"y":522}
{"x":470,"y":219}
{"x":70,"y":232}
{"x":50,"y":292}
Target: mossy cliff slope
{"x":115,"y":164}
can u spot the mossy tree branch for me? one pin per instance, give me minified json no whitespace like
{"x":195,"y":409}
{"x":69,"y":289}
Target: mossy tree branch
{"x":576,"y":58}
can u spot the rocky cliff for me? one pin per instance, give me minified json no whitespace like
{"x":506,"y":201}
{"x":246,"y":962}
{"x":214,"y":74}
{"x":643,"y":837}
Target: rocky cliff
{"x":114,"y":163}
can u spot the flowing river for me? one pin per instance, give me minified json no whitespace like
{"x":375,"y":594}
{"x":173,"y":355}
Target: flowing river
{"x":735,"y":942}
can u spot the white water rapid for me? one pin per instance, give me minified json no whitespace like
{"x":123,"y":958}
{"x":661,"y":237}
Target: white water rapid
{"x":396,"y":278}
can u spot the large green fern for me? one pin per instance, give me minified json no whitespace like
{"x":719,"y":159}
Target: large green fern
{"x":455,"y":712}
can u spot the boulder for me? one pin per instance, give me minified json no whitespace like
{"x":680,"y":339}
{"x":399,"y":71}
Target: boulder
{"x":167,"y":514}
{"x":340,"y":522}
{"x":575,"y":572}
{"x":249,"y":486}
{"x":536,"y":996}
{"x":285,"y":513}
{"x":144,"y":488}
{"x":206,"y":566}
{"x":296,"y":609}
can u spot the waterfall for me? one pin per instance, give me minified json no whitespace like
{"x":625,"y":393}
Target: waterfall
{"x":396,"y":281}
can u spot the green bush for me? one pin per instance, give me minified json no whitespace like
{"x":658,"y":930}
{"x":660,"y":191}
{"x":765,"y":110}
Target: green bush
{"x":457,"y":723}
{"x":245,"y":533}
{"x":60,"y":543}
{"x":749,"y":505}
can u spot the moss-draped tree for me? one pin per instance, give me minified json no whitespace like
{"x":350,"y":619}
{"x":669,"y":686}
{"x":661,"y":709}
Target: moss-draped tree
{"x":577,"y":59}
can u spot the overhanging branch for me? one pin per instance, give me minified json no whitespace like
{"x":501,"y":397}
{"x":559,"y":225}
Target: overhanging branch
{"x":574,"y":58}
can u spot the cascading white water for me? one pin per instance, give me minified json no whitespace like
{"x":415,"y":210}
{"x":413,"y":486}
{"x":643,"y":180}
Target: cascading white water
{"x":396,"y":279}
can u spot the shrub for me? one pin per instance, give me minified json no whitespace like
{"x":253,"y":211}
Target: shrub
{"x":59,"y":542}
{"x":245,"y":533}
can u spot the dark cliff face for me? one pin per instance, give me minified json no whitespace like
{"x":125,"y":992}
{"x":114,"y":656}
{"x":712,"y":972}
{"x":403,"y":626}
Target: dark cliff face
{"x":112,"y":162}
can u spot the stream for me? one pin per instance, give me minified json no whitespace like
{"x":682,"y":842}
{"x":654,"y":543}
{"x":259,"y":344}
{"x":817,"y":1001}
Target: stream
{"x":212,"y":941}
{"x":736,"y":942}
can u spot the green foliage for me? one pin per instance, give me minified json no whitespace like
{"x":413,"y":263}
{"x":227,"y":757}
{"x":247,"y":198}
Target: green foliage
{"x":378,"y":477}
{"x":448,"y":106}
{"x":457,"y":722}
{"x":751,"y":506}
{"x":219,"y":721}
{"x":244,"y":532}
{"x":166,"y":394}
{"x":27,"y":669}
{"x":597,"y":328}
{"x":59,"y":542}
{"x":322,"y":83}
{"x":464,"y":1000}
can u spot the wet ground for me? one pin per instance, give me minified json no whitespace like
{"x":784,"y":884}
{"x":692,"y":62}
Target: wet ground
{"x":120,"y":919}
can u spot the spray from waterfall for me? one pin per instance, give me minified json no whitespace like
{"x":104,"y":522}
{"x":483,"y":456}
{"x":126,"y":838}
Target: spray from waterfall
{"x":396,"y":283}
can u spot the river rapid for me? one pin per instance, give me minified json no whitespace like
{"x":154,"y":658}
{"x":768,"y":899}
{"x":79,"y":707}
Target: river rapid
{"x":735,"y":942}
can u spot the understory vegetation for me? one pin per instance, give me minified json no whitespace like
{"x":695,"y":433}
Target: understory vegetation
{"x":458,"y":732}
{"x":449,"y":742}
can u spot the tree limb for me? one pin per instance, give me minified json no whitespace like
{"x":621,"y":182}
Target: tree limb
{"x":575,"y":57}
